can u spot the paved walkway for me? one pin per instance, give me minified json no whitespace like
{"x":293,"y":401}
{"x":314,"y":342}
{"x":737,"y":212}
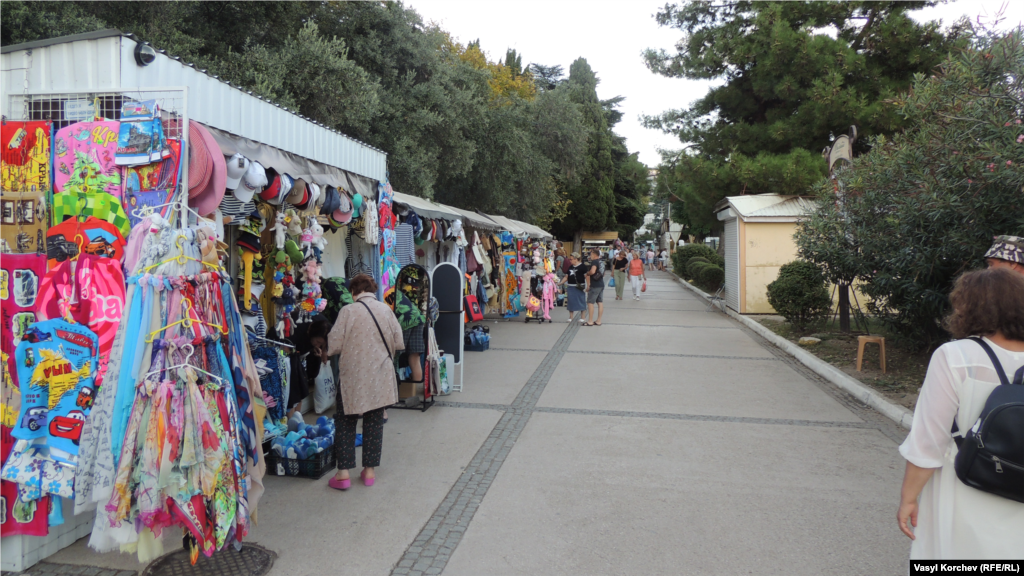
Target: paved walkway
{"x":668,"y":441}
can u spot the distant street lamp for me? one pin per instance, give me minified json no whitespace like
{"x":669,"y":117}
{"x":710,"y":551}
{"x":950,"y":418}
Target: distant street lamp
{"x":840,"y":154}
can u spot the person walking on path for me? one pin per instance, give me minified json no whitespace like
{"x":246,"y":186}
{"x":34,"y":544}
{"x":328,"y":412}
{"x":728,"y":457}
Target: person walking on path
{"x":636,"y":275}
{"x":619,"y":273}
{"x":650,"y":259}
{"x":595,"y":288}
{"x":945,"y":518}
{"x":575,"y":281}
{"x":367,"y":336}
{"x":664,"y":260}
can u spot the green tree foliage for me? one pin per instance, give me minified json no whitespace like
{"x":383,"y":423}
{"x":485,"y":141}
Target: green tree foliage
{"x":799,"y":294}
{"x":681,"y":257}
{"x":525,"y":142}
{"x":592,"y":198}
{"x":922,"y":206}
{"x":787,"y":84}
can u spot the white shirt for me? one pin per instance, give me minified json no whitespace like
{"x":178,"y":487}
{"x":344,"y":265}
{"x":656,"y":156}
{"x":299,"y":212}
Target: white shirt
{"x":956,"y":521}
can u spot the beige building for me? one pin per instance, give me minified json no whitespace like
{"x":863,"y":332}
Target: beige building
{"x":758,"y":240}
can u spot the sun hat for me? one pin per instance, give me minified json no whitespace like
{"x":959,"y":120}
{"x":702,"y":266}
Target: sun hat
{"x":200,"y":165}
{"x":209,"y":197}
{"x":237,"y":166}
{"x":1009,"y":248}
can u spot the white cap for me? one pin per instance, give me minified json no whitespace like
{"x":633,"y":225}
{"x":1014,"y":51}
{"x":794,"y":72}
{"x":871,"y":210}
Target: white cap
{"x":314,"y":194}
{"x":253,"y":181}
{"x":237,"y":166}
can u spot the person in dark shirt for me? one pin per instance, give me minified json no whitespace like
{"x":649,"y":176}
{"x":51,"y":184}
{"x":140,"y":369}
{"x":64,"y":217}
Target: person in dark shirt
{"x":595,"y":288}
{"x":310,"y":341}
{"x":619,"y":272}
{"x":575,"y":279}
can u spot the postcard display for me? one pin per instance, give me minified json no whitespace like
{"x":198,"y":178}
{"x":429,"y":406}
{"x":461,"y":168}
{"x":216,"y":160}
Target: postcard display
{"x":132,"y":406}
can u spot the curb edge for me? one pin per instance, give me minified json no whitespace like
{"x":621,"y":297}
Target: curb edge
{"x":898,"y":414}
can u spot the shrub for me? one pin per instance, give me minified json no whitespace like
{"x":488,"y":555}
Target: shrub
{"x":719,"y":261}
{"x":799,"y":294}
{"x":684,"y":253}
{"x":711,"y":277}
{"x":691,"y":266}
{"x":921,"y":208}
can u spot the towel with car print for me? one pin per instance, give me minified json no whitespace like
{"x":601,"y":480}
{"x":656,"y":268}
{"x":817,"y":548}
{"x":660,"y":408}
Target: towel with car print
{"x":56,"y":368}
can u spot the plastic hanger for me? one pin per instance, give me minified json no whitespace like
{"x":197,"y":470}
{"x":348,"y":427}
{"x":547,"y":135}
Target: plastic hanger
{"x":185,"y":364}
{"x":181,"y":258}
{"x":186,"y":321}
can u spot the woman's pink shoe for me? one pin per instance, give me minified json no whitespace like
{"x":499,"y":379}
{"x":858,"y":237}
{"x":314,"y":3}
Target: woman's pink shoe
{"x":340,"y":484}
{"x":366,"y":481}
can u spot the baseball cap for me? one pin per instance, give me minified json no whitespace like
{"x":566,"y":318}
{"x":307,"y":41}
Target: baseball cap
{"x":298,"y":192}
{"x":237,"y":165}
{"x":273,"y":187}
{"x":254,"y":179}
{"x":287,"y":182}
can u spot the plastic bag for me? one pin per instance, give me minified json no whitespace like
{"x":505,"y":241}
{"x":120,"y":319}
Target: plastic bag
{"x":325,"y":389}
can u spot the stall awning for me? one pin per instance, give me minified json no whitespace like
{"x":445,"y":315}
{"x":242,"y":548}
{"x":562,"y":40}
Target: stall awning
{"x":534,"y":231}
{"x":509,"y":225}
{"x":474,"y":220}
{"x":425,"y":207}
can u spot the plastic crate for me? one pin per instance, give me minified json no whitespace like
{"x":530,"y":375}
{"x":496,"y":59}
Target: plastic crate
{"x":477,"y":347}
{"x":313,"y":468}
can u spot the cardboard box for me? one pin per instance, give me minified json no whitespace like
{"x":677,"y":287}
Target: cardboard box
{"x":406,"y":390}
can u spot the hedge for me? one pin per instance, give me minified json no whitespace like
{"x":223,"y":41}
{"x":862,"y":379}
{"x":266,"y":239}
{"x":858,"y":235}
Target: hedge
{"x":711,"y":277}
{"x":691,"y":266}
{"x":799,"y":294}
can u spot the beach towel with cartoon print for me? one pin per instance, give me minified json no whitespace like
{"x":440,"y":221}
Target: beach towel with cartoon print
{"x":56,"y":363}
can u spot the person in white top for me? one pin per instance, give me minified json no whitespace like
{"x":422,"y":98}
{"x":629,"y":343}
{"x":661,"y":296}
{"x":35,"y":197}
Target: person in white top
{"x":650,"y":259}
{"x":945,"y":518}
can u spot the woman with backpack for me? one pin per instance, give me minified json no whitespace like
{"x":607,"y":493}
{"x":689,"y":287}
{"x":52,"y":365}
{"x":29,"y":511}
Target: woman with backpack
{"x":945,"y":517}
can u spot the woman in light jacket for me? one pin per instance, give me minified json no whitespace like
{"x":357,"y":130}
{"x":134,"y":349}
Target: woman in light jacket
{"x":367,"y":337}
{"x":945,"y":518}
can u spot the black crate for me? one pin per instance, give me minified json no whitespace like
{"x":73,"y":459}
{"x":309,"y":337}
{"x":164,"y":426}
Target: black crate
{"x":313,"y":468}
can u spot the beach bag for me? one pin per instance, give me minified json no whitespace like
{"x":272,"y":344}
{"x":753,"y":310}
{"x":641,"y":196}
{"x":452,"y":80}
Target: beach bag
{"x":446,"y":368}
{"x":325,"y":388}
{"x":473,"y":311}
{"x":989,"y":454}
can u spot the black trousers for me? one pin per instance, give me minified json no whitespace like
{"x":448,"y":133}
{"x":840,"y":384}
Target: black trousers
{"x":345,"y":439}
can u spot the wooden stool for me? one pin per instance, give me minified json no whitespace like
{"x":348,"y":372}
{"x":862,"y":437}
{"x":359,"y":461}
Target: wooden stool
{"x":861,"y":341}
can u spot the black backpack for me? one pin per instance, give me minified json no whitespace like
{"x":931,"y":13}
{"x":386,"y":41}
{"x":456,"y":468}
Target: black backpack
{"x":990,"y":456}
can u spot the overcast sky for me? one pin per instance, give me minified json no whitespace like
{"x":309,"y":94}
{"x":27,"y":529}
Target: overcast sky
{"x":612,"y":37}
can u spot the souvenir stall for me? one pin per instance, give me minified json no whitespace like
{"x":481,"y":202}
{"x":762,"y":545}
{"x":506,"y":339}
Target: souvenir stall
{"x":160,"y":260}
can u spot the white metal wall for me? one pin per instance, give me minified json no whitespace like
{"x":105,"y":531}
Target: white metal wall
{"x":108,"y":65}
{"x":731,"y":238}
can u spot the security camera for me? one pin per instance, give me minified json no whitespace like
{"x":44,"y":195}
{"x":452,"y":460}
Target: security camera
{"x":144,"y":54}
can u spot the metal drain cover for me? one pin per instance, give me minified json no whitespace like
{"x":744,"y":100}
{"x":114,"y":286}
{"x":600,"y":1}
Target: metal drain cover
{"x":251,"y":560}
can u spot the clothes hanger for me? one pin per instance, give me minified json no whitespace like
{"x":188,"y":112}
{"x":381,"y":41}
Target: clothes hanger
{"x":185,"y":364}
{"x":269,"y":341}
{"x":186,"y":321}
{"x":181,"y":258}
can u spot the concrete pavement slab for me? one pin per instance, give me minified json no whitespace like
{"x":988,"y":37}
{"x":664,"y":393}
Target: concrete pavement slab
{"x":667,"y":340}
{"x":601,"y":495}
{"x":315,"y":529}
{"x":749,"y":388}
{"x":496,"y":377}
{"x":699,"y":318}
{"x":516,"y":333}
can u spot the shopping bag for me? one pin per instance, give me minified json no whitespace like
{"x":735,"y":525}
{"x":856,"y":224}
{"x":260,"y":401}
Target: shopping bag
{"x":611,"y":283}
{"x":644,"y":287}
{"x":473,"y":311}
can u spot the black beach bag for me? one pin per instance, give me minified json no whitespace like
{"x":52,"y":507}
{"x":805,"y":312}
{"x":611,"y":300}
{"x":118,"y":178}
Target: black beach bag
{"x":991,"y":454}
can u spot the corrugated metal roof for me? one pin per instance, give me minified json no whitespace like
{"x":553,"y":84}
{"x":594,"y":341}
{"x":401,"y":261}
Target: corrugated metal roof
{"x":770,"y":206}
